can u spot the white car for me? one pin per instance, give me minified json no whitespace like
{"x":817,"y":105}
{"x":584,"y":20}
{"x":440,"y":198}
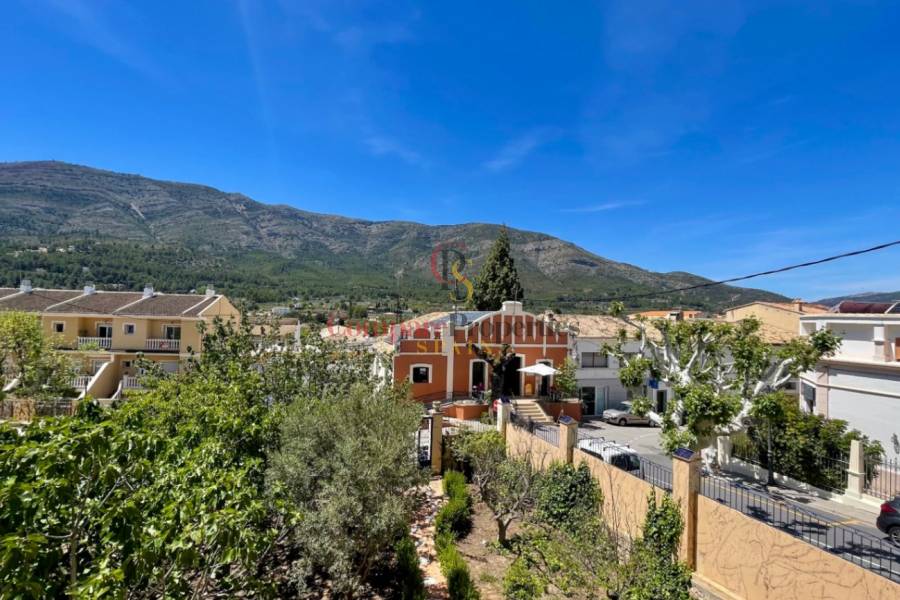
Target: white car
{"x":623,"y":415}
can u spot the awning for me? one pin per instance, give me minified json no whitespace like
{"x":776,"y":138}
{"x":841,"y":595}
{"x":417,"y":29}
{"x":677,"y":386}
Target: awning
{"x":541,"y":369}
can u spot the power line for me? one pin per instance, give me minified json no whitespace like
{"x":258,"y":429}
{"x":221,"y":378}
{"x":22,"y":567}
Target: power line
{"x":753,"y":275}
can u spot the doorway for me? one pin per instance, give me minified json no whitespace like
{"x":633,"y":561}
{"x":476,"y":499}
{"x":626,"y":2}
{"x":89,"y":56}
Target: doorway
{"x":588,"y":400}
{"x":544,"y":385}
{"x":478,"y":378}
{"x":512,"y":379}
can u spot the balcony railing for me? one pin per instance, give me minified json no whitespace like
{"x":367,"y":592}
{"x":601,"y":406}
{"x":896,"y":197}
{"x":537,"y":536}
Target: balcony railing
{"x":163,"y":345}
{"x":130,"y":382}
{"x":98,"y":342}
{"x":81,"y":381}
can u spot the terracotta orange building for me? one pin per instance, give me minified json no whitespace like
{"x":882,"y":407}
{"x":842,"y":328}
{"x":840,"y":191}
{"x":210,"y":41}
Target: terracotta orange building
{"x":442,"y":354}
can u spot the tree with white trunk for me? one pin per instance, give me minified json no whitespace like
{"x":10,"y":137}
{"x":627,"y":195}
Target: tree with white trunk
{"x":716,"y":370}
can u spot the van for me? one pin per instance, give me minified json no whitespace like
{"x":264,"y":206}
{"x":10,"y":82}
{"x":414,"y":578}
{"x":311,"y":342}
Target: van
{"x":621,"y":457}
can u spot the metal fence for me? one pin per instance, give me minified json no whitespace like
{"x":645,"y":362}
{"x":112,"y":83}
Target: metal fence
{"x":656,"y":474}
{"x":423,"y":442}
{"x":548,"y":433}
{"x":469,"y":425}
{"x":26,"y":410}
{"x":825,"y":472}
{"x":882,"y":478}
{"x":869,"y":552}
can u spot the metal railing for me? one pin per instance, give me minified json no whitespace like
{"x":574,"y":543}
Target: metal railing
{"x":99,"y":342}
{"x":824,"y":472}
{"x":869,"y":552}
{"x":162,"y":345}
{"x":470,"y":425}
{"x":655,"y":474}
{"x":882,"y":478}
{"x":548,"y":433}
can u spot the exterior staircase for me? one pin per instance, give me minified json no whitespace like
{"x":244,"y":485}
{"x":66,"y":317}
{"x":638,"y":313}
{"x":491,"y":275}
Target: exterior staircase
{"x":530,"y":409}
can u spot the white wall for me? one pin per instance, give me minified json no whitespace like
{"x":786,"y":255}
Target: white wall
{"x":876,"y":416}
{"x":856,"y":340}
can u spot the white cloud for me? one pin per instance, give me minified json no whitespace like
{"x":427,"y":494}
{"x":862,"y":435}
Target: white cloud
{"x":380,"y":145}
{"x":518,"y":149}
{"x":605,"y":206}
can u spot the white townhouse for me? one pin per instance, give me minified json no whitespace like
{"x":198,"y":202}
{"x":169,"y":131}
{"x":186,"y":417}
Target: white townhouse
{"x":598,"y":372}
{"x":861,"y":382}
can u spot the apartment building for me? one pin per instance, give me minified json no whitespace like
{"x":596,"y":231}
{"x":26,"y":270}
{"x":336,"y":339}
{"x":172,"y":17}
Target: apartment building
{"x":436,"y":352}
{"x":779,"y":321}
{"x":861,"y":382}
{"x":106,"y":331}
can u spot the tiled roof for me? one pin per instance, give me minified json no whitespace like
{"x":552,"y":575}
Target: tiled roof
{"x":36,"y":300}
{"x":168,"y":305}
{"x":106,"y":303}
{"x":8,"y":292}
{"x":103,"y":303}
{"x":595,"y":326}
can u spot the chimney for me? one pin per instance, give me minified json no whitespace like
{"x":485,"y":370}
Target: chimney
{"x":210,"y":291}
{"x":89,"y":289}
{"x":25,"y":286}
{"x":148,"y":291}
{"x":798,"y":305}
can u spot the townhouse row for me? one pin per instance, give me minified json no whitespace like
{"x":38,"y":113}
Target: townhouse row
{"x":105,"y":332}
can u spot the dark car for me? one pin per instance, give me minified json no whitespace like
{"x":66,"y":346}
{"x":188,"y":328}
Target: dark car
{"x":889,"y":519}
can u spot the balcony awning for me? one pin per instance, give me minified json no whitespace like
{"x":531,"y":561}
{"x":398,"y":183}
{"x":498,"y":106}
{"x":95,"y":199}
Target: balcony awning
{"x":541,"y":369}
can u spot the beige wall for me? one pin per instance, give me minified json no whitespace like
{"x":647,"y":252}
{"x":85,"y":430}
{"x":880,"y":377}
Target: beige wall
{"x":782,"y":319}
{"x":624,"y":496}
{"x":520,"y":443}
{"x":755,"y":561}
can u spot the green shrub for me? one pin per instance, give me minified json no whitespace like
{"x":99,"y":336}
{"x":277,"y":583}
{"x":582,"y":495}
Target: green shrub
{"x":520,"y":583}
{"x":566,"y":495}
{"x":454,"y":518}
{"x":410,"y":583}
{"x":454,"y":484}
{"x":455,"y":569}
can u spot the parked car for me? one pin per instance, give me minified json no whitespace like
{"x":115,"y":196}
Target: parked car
{"x":621,"y":457}
{"x":623,"y":415}
{"x":889,"y":520}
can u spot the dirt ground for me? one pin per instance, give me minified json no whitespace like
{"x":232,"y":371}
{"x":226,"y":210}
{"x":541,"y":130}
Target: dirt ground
{"x":486,"y":564}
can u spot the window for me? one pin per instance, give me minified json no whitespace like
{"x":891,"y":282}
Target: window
{"x":421,"y":374}
{"x":809,"y":397}
{"x":126,"y":364}
{"x":104,"y":331}
{"x":58,"y":327}
{"x":128,"y":328}
{"x":172,"y":332}
{"x":594,"y":360}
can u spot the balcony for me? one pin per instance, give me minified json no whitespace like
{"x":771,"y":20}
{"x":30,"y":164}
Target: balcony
{"x":85,"y":343}
{"x":130,"y":382}
{"x":162,"y":345}
{"x":81,"y":381}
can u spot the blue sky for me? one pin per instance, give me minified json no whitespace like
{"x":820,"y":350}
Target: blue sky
{"x":713,"y":137}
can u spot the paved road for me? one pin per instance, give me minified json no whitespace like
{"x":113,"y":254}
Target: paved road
{"x":847,"y":531}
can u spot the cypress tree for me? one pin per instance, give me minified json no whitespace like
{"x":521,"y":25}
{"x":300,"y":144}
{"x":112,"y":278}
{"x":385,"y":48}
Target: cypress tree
{"x":498,"y":279}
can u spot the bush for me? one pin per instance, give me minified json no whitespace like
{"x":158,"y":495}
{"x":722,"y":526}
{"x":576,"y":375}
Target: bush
{"x":454,"y":484}
{"x":520,"y":583}
{"x":566,"y":495}
{"x":455,"y":569}
{"x":454,"y":518}
{"x":410,"y":584}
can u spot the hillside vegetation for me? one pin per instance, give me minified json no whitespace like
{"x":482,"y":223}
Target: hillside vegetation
{"x":132,"y":230}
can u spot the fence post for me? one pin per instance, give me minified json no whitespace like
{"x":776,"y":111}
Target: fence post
{"x":856,"y":470}
{"x":568,"y":436}
{"x":437,"y":430}
{"x":685,"y":489}
{"x":503,"y":418}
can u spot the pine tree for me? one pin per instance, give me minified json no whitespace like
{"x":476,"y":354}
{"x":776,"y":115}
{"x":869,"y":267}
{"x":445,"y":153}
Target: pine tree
{"x":498,"y":279}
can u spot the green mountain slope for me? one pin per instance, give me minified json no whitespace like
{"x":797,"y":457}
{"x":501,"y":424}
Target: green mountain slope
{"x":129,"y":230}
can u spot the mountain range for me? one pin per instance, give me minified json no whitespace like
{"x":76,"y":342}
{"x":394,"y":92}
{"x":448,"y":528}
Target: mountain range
{"x":63,"y":224}
{"x":864,"y":297}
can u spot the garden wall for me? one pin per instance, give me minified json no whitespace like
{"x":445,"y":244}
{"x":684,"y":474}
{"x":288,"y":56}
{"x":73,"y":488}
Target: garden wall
{"x":519,"y":442}
{"x":755,"y":561}
{"x":624,"y":496}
